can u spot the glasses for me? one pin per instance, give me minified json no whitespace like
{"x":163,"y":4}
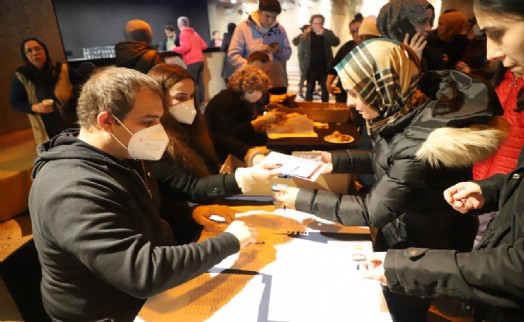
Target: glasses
{"x":30,"y":50}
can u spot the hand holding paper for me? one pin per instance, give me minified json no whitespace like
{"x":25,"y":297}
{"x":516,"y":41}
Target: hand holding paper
{"x":294,"y":166}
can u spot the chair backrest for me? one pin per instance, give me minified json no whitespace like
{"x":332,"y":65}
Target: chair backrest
{"x":21,"y":273}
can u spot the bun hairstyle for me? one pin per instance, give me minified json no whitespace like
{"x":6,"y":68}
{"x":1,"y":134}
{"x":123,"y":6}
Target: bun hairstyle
{"x":358,"y":18}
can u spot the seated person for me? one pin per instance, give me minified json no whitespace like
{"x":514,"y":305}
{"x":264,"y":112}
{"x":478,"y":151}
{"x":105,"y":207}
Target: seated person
{"x":102,"y":245}
{"x":189,"y":159}
{"x":236,"y":127}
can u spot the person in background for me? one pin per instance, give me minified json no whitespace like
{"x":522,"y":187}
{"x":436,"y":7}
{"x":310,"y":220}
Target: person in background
{"x":318,"y":55}
{"x":94,"y":209}
{"x":367,"y":30}
{"x":414,"y":16}
{"x":301,"y":58}
{"x":227,"y":68}
{"x":261,"y":31}
{"x":418,"y":144}
{"x":354,"y":27}
{"x":136,"y":52}
{"x":192,"y":48}
{"x":215,"y":41}
{"x":187,"y":172}
{"x":236,"y":126}
{"x":171,"y":39}
{"x":489,"y":278}
{"x":473,"y":59}
{"x":45,"y":90}
{"x":450,"y":37}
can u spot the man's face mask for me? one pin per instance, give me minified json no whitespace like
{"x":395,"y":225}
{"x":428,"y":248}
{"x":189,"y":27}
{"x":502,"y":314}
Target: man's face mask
{"x":147,"y":144}
{"x":184,"y":112}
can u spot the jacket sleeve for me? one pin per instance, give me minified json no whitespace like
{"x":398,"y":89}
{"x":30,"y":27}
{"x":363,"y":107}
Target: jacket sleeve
{"x":285,"y":48}
{"x":185,"y":44}
{"x":387,"y":199}
{"x":237,"y":48}
{"x":199,"y":190}
{"x":492,"y":276}
{"x":19,"y":99}
{"x":352,"y":161}
{"x":203,"y":44}
{"x":491,"y":188}
{"x":330,"y":38}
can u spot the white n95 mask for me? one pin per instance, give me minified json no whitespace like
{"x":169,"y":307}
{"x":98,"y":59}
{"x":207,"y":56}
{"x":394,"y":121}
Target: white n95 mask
{"x":147,"y":144}
{"x":184,"y":112}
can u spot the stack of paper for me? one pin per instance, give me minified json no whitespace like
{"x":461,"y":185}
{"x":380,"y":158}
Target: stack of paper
{"x":296,"y":167}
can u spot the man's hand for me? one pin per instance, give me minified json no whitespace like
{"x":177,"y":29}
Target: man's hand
{"x":245,"y":234}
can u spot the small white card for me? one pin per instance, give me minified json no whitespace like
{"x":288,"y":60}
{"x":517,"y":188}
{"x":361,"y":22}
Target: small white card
{"x":295,"y":166}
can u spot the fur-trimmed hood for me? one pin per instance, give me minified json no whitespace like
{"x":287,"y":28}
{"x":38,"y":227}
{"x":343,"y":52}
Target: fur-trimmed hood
{"x":463,"y":147}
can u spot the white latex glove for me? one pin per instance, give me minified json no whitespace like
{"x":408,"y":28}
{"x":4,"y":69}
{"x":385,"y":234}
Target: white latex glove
{"x":245,"y":234}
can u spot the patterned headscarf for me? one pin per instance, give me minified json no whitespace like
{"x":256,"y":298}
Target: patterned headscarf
{"x":384,"y":73}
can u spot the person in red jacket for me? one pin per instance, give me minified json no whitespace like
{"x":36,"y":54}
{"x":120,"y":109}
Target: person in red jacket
{"x":509,"y":88}
{"x":191,"y":48}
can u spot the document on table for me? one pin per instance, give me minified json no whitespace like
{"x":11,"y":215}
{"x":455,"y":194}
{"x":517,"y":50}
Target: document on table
{"x":295,"y":166}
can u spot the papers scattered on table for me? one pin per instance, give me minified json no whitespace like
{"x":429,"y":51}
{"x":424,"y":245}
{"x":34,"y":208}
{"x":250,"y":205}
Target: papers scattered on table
{"x":295,"y":166}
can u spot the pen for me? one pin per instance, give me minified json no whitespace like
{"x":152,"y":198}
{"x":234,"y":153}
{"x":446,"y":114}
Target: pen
{"x":259,"y":242}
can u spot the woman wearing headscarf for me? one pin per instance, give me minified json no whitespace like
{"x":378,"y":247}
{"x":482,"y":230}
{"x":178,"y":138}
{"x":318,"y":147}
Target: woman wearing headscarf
{"x":44,"y":90}
{"x":421,"y":146}
{"x":450,"y":37}
{"x":136,"y":52}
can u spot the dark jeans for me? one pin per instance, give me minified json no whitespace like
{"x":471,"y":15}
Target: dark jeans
{"x":197,"y":71}
{"x":406,"y":308}
{"x":313,"y":77}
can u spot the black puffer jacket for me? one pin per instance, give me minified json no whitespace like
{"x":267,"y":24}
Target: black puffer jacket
{"x":414,"y":159}
{"x":489,"y":277}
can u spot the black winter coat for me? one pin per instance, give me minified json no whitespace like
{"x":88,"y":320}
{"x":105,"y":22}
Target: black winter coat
{"x":491,"y":276}
{"x":414,"y":160}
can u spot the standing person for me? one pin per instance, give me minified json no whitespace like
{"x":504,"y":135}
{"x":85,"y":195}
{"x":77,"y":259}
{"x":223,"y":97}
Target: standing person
{"x":44,"y":90}
{"x":191,"y":48}
{"x":136,"y":52}
{"x":261,"y":31}
{"x":418,"y":145}
{"x":354,"y":30}
{"x":171,"y":39}
{"x":100,"y":240}
{"x":215,"y":41}
{"x":408,"y":21}
{"x":318,"y":55}
{"x":301,"y":58}
{"x":227,"y":68}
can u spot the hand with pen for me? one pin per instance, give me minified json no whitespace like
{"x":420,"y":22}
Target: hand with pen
{"x":325,"y":157}
{"x":284,"y":196}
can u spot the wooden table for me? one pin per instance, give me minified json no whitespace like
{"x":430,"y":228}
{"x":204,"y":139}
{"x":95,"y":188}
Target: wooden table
{"x":288,"y":145}
{"x":302,"y":270}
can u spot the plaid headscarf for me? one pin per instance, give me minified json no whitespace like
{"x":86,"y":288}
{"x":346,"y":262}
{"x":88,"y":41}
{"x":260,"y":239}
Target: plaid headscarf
{"x":384,"y":73}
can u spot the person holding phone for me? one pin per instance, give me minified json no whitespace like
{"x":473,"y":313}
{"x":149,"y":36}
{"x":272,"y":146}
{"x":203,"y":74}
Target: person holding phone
{"x":408,"y":21}
{"x":261,"y":31}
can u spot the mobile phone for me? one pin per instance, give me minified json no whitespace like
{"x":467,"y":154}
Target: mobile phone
{"x":403,"y":27}
{"x":273,"y":44}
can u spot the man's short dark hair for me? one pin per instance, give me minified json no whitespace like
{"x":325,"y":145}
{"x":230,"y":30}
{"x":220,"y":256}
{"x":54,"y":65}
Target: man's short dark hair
{"x":269,"y":5}
{"x":169,"y":27}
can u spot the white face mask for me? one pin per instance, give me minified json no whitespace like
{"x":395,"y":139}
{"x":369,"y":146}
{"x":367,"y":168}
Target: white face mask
{"x":147,"y":144}
{"x":184,"y":112}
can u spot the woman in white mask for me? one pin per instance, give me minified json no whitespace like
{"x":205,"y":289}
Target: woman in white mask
{"x":187,"y":172}
{"x":190,"y":144}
